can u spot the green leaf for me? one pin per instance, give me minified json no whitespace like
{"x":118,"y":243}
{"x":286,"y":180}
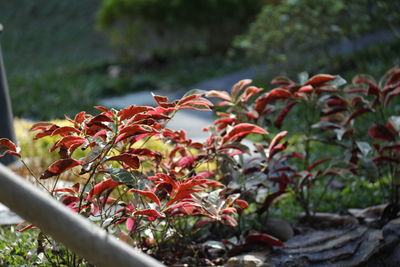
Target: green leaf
{"x":94,"y":153}
{"x":364,"y":147}
{"x":213,"y":197}
{"x":368,"y":169}
{"x":339,"y":81}
{"x":194,"y":92}
{"x":395,"y":120}
{"x":303,"y":77}
{"x":122,"y":176}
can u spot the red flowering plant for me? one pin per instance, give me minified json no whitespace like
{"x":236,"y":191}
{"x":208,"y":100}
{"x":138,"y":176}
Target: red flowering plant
{"x":147,"y":197}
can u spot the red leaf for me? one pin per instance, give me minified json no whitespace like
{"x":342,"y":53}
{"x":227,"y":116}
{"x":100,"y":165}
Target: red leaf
{"x":101,"y":187}
{"x":297,"y":155}
{"x":8,"y":148}
{"x":241,"y":130}
{"x":282,"y":81}
{"x":241,"y":203}
{"x":40,"y":125}
{"x":229,"y":210}
{"x":275,"y":141}
{"x":219,"y":94}
{"x":147,"y":194}
{"x":188,"y":161}
{"x":131,"y":160}
{"x":161,"y":100}
{"x":70,"y":199}
{"x":129,"y":112}
{"x":160,"y":111}
{"x":80,"y":117}
{"x":182,"y":205}
{"x":239,"y":86}
{"x":167,"y":179}
{"x":198,"y":104}
{"x":381,"y":132}
{"x":59,"y":167}
{"x":130,"y":224}
{"x":131,"y":130}
{"x":275,"y":94}
{"x":149,"y":212}
{"x":182,"y":194}
{"x":390,"y":96}
{"x":249,"y":93}
{"x":65,"y":130}
{"x":64,"y":190}
{"x":105,"y":110}
{"x":100,"y":118}
{"x":229,"y":220}
{"x":306,"y":89}
{"x":143,"y":152}
{"x":336,"y":101}
{"x":200,"y":224}
{"x":45,"y":131}
{"x":385,"y":158}
{"x":282,"y":115}
{"x":319,"y":80}
{"x":269,"y":200}
{"x":357,"y":113}
{"x":392,"y":147}
{"x":373,"y":89}
{"x":260,"y":238}
{"x":316,"y":163}
{"x":68,"y":141}
{"x":223,"y":123}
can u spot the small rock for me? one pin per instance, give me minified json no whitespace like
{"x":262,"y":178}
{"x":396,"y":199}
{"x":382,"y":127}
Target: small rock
{"x":254,"y":259}
{"x":391,"y":231}
{"x":327,"y":220}
{"x":213,"y":249}
{"x":370,"y":212}
{"x":278,"y":228}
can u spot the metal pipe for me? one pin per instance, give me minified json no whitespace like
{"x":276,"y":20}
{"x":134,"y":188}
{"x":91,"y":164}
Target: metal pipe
{"x":75,"y":232}
{"x":6,"y":117}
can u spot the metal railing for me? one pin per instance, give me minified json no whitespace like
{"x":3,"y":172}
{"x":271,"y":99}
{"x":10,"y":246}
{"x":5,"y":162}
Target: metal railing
{"x":75,"y":232}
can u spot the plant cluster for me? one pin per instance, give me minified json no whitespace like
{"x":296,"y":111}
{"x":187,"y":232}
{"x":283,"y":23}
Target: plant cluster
{"x":339,"y":132}
{"x":160,"y":199}
{"x":149,"y":198}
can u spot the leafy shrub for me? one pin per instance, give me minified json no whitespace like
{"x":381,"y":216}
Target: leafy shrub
{"x":160,"y":199}
{"x":340,"y":133}
{"x":297,"y":32}
{"x":140,"y":27}
{"x":150,"y":198}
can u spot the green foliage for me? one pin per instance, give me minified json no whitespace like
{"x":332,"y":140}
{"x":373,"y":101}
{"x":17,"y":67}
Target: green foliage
{"x":25,"y":249}
{"x":297,"y":32}
{"x":138,"y":27}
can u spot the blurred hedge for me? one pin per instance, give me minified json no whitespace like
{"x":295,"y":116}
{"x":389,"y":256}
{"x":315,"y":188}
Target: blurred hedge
{"x":299,"y":34}
{"x":140,"y":28}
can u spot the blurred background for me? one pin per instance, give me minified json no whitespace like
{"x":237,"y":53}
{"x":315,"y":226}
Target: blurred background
{"x":62,"y":57}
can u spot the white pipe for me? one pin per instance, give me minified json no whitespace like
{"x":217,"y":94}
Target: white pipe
{"x":75,"y":232}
